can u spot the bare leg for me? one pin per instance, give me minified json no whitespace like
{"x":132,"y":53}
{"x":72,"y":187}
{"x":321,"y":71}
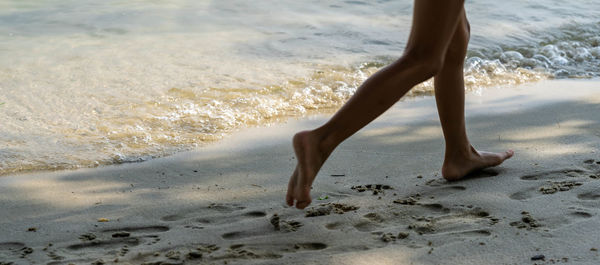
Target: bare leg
{"x":460,"y":157}
{"x":434,"y":24}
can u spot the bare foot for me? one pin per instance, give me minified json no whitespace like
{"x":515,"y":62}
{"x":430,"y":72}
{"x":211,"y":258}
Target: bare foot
{"x":311,"y":156}
{"x":456,"y":167}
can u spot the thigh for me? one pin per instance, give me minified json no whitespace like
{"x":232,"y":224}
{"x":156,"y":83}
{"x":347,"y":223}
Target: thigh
{"x":434,"y":24}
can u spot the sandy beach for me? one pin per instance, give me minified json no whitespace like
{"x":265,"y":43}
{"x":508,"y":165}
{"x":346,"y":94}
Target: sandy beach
{"x":379,"y":199}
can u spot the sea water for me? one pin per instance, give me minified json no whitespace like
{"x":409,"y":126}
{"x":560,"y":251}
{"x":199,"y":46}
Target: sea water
{"x":85,"y":82}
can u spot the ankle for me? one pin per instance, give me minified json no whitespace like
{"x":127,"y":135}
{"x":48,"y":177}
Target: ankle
{"x":463,"y":152}
{"x":326,"y":142}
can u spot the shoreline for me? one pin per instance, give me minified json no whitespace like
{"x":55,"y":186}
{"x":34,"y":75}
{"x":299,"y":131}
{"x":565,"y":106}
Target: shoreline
{"x":226,"y":194}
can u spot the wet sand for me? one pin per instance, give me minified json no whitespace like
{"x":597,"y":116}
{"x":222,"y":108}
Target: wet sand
{"x":378,"y":200}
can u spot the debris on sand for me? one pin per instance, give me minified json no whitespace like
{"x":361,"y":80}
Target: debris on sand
{"x":324,"y":197}
{"x":321,"y":211}
{"x":422,"y":227}
{"x":283,"y":225}
{"x":527,"y":221}
{"x":26,"y":251}
{"x":375,"y":188}
{"x":207,"y":248}
{"x":402,"y":235}
{"x":341,"y":208}
{"x":538,"y":257}
{"x":275,"y":222}
{"x":554,"y":187}
{"x":388,"y":237}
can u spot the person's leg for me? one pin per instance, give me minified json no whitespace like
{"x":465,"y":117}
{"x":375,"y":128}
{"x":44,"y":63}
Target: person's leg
{"x":434,"y":24}
{"x":460,"y":157}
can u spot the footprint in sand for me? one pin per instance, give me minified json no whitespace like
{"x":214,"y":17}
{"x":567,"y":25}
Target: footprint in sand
{"x":550,"y":187}
{"x":217,"y":215}
{"x":335,"y":225}
{"x":444,"y":191}
{"x":523,"y":194}
{"x":439,"y":182}
{"x":150,"y":239}
{"x":462,"y":222}
{"x":473,"y":233}
{"x":590,"y":196}
{"x":225,"y":214}
{"x":369,"y":222}
{"x":11,"y":246}
{"x":176,"y":255}
{"x":139,"y":229}
{"x":106,"y":244}
{"x":270,"y":250}
{"x":278,"y":225}
{"x":213,"y":207}
{"x":592,"y":165}
{"x":366,"y":226}
{"x":375,"y":189}
{"x":241,"y":234}
{"x":551,"y":221}
{"x":556,"y":174}
{"x":590,"y":168}
{"x":435,"y":207}
{"x":13,"y":250}
{"x":559,"y":180}
{"x":215,"y":221}
{"x":328,"y":208}
{"x":229,"y":218}
{"x":581,"y":214}
{"x":374,"y":217}
{"x":111,"y":241}
{"x":240,"y":251}
{"x":415,"y":200}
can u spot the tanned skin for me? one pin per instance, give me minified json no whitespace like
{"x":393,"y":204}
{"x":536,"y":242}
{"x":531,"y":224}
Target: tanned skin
{"x":436,"y":48}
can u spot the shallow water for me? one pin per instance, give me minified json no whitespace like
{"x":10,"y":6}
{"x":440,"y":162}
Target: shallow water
{"x":85,"y":83}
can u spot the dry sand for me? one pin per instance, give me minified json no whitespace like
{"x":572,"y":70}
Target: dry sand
{"x":223,"y":204}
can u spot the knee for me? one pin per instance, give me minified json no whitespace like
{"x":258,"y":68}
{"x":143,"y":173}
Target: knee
{"x":457,"y":50}
{"x":426,"y":61}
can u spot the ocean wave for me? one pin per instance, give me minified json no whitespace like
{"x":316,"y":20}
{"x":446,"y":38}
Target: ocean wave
{"x":182,"y":118}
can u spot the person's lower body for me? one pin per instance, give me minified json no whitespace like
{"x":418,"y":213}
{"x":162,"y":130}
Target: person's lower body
{"x":436,"y":48}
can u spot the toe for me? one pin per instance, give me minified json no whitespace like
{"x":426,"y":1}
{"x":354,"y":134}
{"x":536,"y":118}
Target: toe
{"x":302,"y":204}
{"x":289,"y":197}
{"x":289,"y":200}
{"x":508,"y":154}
